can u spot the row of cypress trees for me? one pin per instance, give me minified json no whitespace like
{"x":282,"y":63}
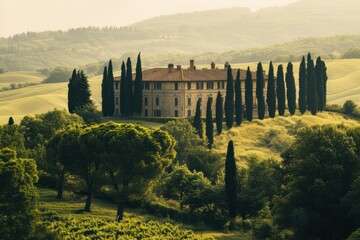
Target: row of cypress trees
{"x":130,"y":92}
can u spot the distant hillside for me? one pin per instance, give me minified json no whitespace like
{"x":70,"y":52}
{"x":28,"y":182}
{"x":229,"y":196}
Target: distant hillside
{"x":192,"y":33}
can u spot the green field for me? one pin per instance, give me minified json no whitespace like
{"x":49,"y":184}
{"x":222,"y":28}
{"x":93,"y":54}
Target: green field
{"x":343,"y":84}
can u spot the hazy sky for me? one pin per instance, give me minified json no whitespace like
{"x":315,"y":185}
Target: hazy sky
{"x":18,"y":16}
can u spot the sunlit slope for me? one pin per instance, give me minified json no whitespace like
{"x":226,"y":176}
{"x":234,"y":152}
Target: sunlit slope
{"x":40,"y":99}
{"x":19,"y":77}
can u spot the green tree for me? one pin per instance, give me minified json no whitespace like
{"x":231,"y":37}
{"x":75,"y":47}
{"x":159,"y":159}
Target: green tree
{"x":229,"y":99}
{"x":72,"y":91}
{"x":260,"y":91}
{"x":138,"y":95}
{"x":319,"y":73}
{"x":104,"y":93}
{"x":219,"y":112}
{"x":230,"y":180}
{"x":290,"y":88}
{"x":302,"y":86}
{"x":349,"y":107}
{"x":309,"y":85}
{"x":209,"y":123}
{"x":57,"y":75}
{"x":89,"y":113}
{"x":249,"y":95}
{"x":110,"y":91}
{"x":78,"y":91}
{"x":11,"y":136}
{"x":197,"y":123}
{"x":325,"y":78}
{"x":238,"y":99}
{"x":129,"y":88}
{"x":18,"y":196}
{"x":123,"y":78}
{"x":280,"y":90}
{"x":271,"y":92}
{"x":312,"y":94}
{"x":11,"y":121}
{"x":320,"y":168}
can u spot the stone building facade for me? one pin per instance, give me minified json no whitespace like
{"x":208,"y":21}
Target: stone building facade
{"x":174,"y":91}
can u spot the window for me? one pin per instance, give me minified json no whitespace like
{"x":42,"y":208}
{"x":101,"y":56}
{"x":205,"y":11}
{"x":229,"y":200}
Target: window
{"x":146,"y":113}
{"x":157,"y":85}
{"x":176,"y":102}
{"x":218,"y":85}
{"x":145,"y":101}
{"x":157,"y":113}
{"x":189,"y":113}
{"x":222,"y":85}
{"x":176,"y":113}
{"x":157,"y":101}
{"x":189,"y":101}
{"x":117,"y":101}
{"x":116,"y":85}
{"x":199,"y":85}
{"x":146,"y":85}
{"x":189,"y":85}
{"x":176,"y":86}
{"x":210,"y":85}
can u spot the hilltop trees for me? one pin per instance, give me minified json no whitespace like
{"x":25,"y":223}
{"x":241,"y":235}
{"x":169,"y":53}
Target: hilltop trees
{"x":238,"y":100}
{"x":290,"y":88}
{"x":78,"y":91}
{"x":271,"y":93}
{"x":209,"y":123}
{"x":138,"y":88}
{"x":230,"y":180}
{"x":280,"y":90}
{"x":229,"y":99}
{"x":219,"y":112}
{"x":249,"y":95}
{"x":302,"y":86}
{"x":123,"y":89}
{"x":260,"y":91}
{"x":197,"y":123}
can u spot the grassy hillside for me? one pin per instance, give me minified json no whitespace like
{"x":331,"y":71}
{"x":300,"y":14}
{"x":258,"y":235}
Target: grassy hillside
{"x":20,"y":77}
{"x":214,"y":31}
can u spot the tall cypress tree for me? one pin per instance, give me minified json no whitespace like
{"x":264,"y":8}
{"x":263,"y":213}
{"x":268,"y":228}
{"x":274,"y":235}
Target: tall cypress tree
{"x":290,"y":88}
{"x":319,"y":73}
{"x":230,"y":180}
{"x":138,"y":88}
{"x":197,"y":123}
{"x":249,"y":102}
{"x":260,"y":91}
{"x":229,"y":99}
{"x":104,"y":93}
{"x":302,"y":86}
{"x":72,"y":91}
{"x":312,"y":95}
{"x":129,"y":88}
{"x":325,"y":78}
{"x":11,"y":121}
{"x":83,"y":94}
{"x":110,"y":89}
{"x":271,"y":93}
{"x":238,"y":100}
{"x":209,"y":123}
{"x":123,"y":79}
{"x":219,"y":112}
{"x":309,"y":70}
{"x":280,"y":90}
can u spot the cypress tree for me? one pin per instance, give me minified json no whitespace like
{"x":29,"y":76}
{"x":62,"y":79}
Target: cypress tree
{"x":230,"y":180}
{"x":11,"y":121}
{"x":290,"y":88}
{"x":123,"y":78}
{"x":209,"y":123}
{"x":83,"y":94}
{"x":302,"y":86}
{"x":249,"y":95}
{"x":219,"y":112}
{"x":238,"y":99}
{"x":138,"y":88}
{"x":229,"y":99}
{"x":319,"y":73}
{"x":312,"y":95}
{"x":197,"y":123}
{"x":260,"y":91}
{"x":72,"y":91}
{"x":110,"y":90}
{"x":280,"y":90}
{"x":129,"y":88}
{"x":104,"y":93}
{"x":325,"y":78}
{"x":271,"y":93}
{"x":309,"y":70}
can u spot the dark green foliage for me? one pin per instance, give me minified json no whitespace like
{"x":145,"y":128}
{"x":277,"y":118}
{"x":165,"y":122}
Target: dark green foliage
{"x":249,"y":95}
{"x":110,"y":91}
{"x":290,"y":88}
{"x":18,"y":196}
{"x":349,"y":107}
{"x":129,"y":89}
{"x":209,"y":123}
{"x":230,"y":180}
{"x":229,"y":99}
{"x":309,"y":71}
{"x":321,"y":168}
{"x":138,"y":96}
{"x":89,"y":113}
{"x":271,"y":92}
{"x":238,"y":100}
{"x":78,"y":91}
{"x":12,"y":136}
{"x":302,"y":86}
{"x":11,"y":121}
{"x":197,"y":123}
{"x":123,"y":78}
{"x":325,"y":78}
{"x":312,"y":94}
{"x":319,"y":73}
{"x":104,"y":93}
{"x":260,"y":91}
{"x":219,"y":112}
{"x":280,"y":90}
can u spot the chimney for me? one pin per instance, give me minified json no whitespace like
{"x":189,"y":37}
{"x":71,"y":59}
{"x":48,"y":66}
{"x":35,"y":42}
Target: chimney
{"x":226,"y":65}
{"x":192,"y":66}
{"x":170,"y":67}
{"x":212,"y":66}
{"x":178,"y":67}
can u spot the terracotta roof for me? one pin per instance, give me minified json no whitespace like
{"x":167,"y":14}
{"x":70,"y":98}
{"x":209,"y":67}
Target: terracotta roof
{"x":164,"y":75}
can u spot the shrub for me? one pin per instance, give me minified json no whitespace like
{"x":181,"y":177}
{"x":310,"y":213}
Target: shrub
{"x":349,"y":107}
